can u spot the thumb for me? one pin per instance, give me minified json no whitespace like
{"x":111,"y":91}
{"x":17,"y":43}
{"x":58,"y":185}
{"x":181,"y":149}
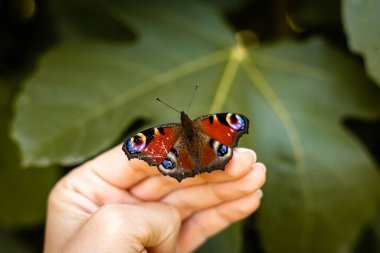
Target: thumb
{"x":128,"y":228}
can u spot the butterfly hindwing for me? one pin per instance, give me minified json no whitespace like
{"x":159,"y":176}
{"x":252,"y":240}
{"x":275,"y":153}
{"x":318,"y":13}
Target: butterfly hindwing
{"x":179,"y":162}
{"x":214,"y":155}
{"x":153,"y":144}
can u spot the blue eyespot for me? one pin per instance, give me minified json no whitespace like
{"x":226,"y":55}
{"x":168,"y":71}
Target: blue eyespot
{"x":131,"y":148}
{"x":136,"y":144}
{"x":236,"y":122}
{"x":241,"y":122}
{"x":168,"y":164}
{"x":222,"y":150}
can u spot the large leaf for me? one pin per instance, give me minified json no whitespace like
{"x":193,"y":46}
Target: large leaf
{"x":321,"y":185}
{"x":23,"y":193}
{"x":361,"y":19}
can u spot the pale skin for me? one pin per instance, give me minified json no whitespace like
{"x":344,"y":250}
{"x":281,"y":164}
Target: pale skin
{"x":110,"y":204}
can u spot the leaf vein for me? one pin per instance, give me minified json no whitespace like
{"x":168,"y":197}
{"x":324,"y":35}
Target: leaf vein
{"x":280,"y":110}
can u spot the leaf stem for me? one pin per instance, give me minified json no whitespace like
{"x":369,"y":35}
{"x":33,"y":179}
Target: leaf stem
{"x":238,"y":53}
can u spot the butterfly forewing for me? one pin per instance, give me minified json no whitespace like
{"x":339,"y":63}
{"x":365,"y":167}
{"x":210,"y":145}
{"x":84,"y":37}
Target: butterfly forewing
{"x":226,"y":128}
{"x":219,"y":133}
{"x":153,"y":144}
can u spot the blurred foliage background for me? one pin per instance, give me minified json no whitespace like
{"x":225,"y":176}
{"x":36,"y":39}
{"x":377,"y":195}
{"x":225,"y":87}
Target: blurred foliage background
{"x":78,"y":76}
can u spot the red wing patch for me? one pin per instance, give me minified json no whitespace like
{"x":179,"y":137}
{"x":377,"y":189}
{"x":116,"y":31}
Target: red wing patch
{"x":152,"y":145}
{"x":223,"y":127}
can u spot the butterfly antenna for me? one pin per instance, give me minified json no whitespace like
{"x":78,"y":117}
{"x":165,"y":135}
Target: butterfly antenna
{"x":191,"y":100}
{"x":168,"y":105}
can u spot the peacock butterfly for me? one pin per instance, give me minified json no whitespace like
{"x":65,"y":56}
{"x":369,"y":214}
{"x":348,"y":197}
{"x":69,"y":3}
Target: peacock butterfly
{"x":191,"y":147}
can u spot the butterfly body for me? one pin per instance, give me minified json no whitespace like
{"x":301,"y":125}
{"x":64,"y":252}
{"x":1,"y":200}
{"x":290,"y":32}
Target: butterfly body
{"x":191,"y":147}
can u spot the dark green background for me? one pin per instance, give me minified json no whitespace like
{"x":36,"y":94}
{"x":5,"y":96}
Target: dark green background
{"x":77,"y":76}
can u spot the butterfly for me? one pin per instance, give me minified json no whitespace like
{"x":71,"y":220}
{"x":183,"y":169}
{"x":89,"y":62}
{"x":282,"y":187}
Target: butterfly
{"x":191,"y":147}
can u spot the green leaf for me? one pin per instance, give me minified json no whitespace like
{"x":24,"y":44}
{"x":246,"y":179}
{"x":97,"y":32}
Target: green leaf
{"x":322,"y":185}
{"x":360,"y":19}
{"x":23,"y":193}
{"x":87,"y":19}
{"x":228,"y":241}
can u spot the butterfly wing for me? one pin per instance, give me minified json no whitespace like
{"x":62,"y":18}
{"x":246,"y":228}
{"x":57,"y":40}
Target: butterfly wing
{"x":226,"y":128}
{"x":153,"y":144}
{"x":219,"y":133}
{"x":179,"y":162}
{"x":166,"y":146}
{"x":162,"y":146}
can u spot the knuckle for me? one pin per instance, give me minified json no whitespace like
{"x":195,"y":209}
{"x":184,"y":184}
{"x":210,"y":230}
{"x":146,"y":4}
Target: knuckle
{"x":235,"y":189}
{"x":226,"y":215}
{"x":243,"y":212}
{"x":108,"y":217}
{"x":180,"y":205}
{"x":246,"y":187}
{"x":220,"y":193}
{"x":238,"y":213}
{"x":248,"y":184}
{"x":176,"y":216}
{"x":183,"y":203}
{"x":249,"y":209}
{"x":56,"y":193}
{"x":202,"y":229}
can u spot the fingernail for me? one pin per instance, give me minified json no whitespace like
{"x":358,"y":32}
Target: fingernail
{"x":260,"y":166}
{"x":246,"y":150}
{"x":261,"y":193}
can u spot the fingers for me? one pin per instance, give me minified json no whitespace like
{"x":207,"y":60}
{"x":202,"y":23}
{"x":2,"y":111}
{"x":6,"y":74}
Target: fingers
{"x":114,"y":167}
{"x":128,"y":228}
{"x":209,"y":222}
{"x":188,"y":200}
{"x":103,"y":180}
{"x":154,"y":188}
{"x":85,"y":189}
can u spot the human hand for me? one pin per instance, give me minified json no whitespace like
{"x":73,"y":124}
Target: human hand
{"x":110,"y":204}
